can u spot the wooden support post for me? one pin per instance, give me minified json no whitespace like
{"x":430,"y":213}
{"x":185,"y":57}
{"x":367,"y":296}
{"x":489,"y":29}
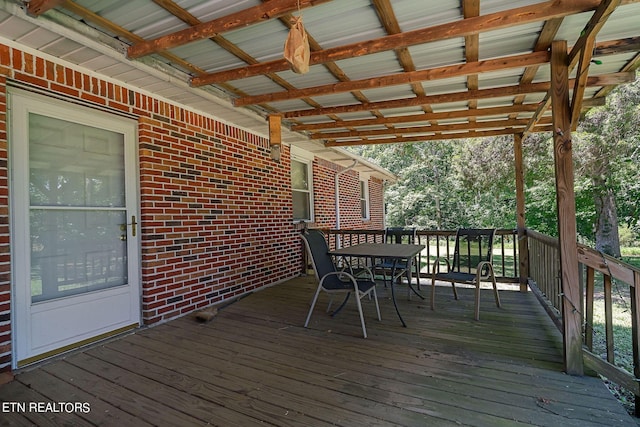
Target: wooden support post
{"x":565,"y":196}
{"x":275,"y":136}
{"x":635,"y":332}
{"x":523,"y":246}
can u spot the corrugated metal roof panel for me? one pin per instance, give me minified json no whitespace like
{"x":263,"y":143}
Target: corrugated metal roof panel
{"x":492,"y":6}
{"x":264,"y":41}
{"x":316,"y":76}
{"x":370,"y":66}
{"x":509,"y":41}
{"x":257,"y":85}
{"x":412,"y":15}
{"x":390,"y":93}
{"x":455,"y":84}
{"x":206,"y":55}
{"x":624,"y":22}
{"x":449,"y":106}
{"x":379,"y":93}
{"x":437,"y":54}
{"x":340,"y":23}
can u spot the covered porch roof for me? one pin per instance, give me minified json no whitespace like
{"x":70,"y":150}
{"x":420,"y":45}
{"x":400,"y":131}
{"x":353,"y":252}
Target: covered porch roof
{"x":381,"y":71}
{"x":255,"y":364}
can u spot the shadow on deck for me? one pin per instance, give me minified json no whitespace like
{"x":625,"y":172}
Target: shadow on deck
{"x":254,"y":364}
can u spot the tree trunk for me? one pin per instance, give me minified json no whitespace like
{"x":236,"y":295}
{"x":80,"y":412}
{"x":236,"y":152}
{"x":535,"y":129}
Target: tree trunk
{"x":607,"y":238}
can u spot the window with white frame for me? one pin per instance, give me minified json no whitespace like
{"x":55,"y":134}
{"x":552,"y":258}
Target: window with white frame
{"x":364,"y":199}
{"x":301,"y":185}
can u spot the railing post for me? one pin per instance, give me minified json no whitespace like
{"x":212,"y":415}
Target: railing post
{"x":523,"y":249}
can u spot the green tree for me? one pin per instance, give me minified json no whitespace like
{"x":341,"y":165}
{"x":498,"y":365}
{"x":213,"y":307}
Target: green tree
{"x":607,"y":158}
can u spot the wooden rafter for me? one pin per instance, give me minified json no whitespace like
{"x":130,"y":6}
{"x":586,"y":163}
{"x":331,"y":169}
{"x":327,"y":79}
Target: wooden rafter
{"x":466,"y":95}
{"x":424,"y":117}
{"x":514,"y":61}
{"x":246,"y":17}
{"x":415,"y":130}
{"x":615,"y":47}
{"x":471,"y":9}
{"x":435,"y":137}
{"x":470,"y":26}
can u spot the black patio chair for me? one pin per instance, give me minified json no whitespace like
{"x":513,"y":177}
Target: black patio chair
{"x":471,"y":264}
{"x":393,"y":268}
{"x":334,"y":281}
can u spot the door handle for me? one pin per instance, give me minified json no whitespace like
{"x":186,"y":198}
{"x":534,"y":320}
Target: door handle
{"x":133,"y":225}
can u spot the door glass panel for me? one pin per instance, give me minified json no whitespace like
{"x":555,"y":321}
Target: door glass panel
{"x":77,"y":215}
{"x":76,"y":251}
{"x":71,"y":164}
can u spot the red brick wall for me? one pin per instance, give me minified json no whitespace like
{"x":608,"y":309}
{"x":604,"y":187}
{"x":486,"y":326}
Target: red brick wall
{"x":216,"y":211}
{"x":324,"y":173}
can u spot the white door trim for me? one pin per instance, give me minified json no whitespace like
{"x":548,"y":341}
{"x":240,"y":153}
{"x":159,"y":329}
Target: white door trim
{"x":21,"y":103}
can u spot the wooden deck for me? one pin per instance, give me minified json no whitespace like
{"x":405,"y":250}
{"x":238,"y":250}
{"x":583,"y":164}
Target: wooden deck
{"x":254,"y":364}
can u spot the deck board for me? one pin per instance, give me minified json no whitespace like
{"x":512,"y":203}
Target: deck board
{"x":254,"y":363}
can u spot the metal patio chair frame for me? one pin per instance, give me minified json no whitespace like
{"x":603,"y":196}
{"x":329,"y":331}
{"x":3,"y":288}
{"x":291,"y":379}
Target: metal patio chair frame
{"x":471,"y":264}
{"x":334,"y":281}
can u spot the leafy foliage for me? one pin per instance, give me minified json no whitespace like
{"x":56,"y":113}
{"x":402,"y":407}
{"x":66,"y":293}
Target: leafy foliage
{"x":450,"y":184}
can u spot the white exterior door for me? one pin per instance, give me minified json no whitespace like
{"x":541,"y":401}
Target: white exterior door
{"x":74,"y":225}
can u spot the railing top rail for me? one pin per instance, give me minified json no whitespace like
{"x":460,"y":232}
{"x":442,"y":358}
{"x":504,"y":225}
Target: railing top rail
{"x":608,"y":265}
{"x":427,"y":232}
{"x":548,"y":240}
{"x":597,"y":260}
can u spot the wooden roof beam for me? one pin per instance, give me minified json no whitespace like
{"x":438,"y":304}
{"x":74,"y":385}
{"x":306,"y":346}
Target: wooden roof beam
{"x":425,"y":117}
{"x":466,"y":95}
{"x":435,"y":137}
{"x":515,"y":61}
{"x":491,"y":124}
{"x":471,"y":9}
{"x":615,"y":47}
{"x":462,"y":28}
{"x":250,"y":16}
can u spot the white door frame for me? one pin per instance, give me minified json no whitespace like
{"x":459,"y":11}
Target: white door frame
{"x":21,"y":103}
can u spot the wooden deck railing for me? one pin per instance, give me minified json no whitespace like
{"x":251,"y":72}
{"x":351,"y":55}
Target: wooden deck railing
{"x":544,"y":271}
{"x":440,"y":243}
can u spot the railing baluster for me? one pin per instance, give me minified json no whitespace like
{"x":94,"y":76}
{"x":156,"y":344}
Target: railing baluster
{"x":608,"y":314}
{"x":590,"y":293}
